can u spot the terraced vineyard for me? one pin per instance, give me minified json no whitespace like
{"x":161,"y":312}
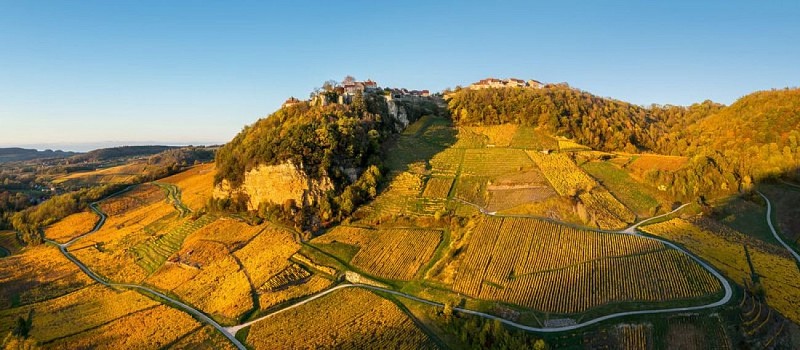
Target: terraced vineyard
{"x":153,"y":253}
{"x":346,"y":319}
{"x":554,"y":268}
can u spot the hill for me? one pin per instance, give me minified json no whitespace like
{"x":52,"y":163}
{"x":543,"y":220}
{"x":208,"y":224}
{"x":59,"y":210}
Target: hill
{"x":13,"y":154}
{"x":322,"y":155}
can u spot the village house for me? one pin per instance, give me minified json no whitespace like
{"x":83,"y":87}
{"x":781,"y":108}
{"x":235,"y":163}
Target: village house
{"x":504,"y":83}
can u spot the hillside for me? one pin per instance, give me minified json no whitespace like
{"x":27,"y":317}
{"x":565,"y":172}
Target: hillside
{"x":13,"y":154}
{"x":324,"y":155}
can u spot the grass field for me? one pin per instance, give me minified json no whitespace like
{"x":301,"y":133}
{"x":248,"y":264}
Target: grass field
{"x":554,"y":268}
{"x":641,"y":199}
{"x":346,"y":319}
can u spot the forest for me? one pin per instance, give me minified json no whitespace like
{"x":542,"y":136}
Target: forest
{"x":730,"y":147}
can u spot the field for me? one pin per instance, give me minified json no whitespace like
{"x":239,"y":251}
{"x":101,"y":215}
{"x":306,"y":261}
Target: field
{"x":138,"y":217}
{"x":600,"y":208}
{"x":494,"y":161}
{"x":9,"y":244}
{"x":496,"y":135}
{"x":389,"y":253}
{"x":37,"y":274}
{"x":76,"y":312}
{"x":529,"y":138}
{"x":196,"y":185}
{"x":228,"y":268}
{"x":72,"y":226}
{"x":126,"y":173}
{"x":570,"y":146}
{"x":151,"y":254}
{"x":438,"y":187}
{"x":641,"y":163}
{"x":346,"y":319}
{"x":724,"y":248}
{"x":147,"y":329}
{"x":554,"y":268}
{"x":641,"y":199}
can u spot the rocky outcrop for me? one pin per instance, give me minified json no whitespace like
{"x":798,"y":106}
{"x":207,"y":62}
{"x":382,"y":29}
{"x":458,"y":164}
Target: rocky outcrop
{"x":398,"y":114}
{"x":276,"y":184}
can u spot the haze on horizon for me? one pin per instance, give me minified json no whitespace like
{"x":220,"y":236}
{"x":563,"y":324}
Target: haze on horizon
{"x":179,"y":73}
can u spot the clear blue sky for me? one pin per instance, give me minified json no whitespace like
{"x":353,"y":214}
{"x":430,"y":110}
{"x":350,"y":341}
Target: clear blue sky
{"x":78,"y":72}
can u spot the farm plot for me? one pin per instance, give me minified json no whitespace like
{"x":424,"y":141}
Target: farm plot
{"x":634,"y":336}
{"x":401,"y":197}
{"x":71,"y":226}
{"x":724,"y":248}
{"x":558,"y":269}
{"x":571,"y":146}
{"x":602,"y":209}
{"x":446,"y":162}
{"x":397,"y":253}
{"x":528,"y":137}
{"x":515,"y":189}
{"x":644,"y":200}
{"x":196,"y":185}
{"x":494,"y":161}
{"x":152,"y":253}
{"x":36,"y":274}
{"x":496,"y":135}
{"x":151,"y":328}
{"x":438,"y":187}
{"x":645,"y":162}
{"x":346,"y":319}
{"x":76,"y":312}
{"x":109,"y":251}
{"x":388,"y":253}
{"x":137,"y":197}
{"x":472,"y":189}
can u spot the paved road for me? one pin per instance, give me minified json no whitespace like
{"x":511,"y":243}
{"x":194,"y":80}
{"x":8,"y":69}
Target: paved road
{"x":772,"y":228}
{"x":631,"y":230}
{"x":201,"y":316}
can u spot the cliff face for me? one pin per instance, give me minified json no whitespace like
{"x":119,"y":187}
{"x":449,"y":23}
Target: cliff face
{"x":275,"y":184}
{"x":306,"y":153}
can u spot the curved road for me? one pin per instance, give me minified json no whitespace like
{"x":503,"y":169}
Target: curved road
{"x":630,"y":230}
{"x":197,"y":313}
{"x":772,"y":228}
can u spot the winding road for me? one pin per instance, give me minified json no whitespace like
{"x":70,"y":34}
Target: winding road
{"x":196,"y":313}
{"x":230,"y":332}
{"x":772,"y":228}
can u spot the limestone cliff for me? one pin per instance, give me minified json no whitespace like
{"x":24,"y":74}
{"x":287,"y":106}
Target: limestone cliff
{"x":275,"y":184}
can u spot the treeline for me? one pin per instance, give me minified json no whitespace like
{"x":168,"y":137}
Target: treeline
{"x":104,"y":154}
{"x":730,"y":147}
{"x":479,"y":333}
{"x":337,"y":142}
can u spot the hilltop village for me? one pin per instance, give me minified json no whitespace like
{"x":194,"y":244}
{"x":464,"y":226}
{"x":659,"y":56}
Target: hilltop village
{"x":333,"y":92}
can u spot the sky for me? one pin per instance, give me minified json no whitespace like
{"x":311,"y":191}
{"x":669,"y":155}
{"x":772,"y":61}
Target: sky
{"x":78,"y":74}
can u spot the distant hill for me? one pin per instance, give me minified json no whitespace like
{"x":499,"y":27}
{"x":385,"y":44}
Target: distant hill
{"x":105,"y":154}
{"x":13,"y":154}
